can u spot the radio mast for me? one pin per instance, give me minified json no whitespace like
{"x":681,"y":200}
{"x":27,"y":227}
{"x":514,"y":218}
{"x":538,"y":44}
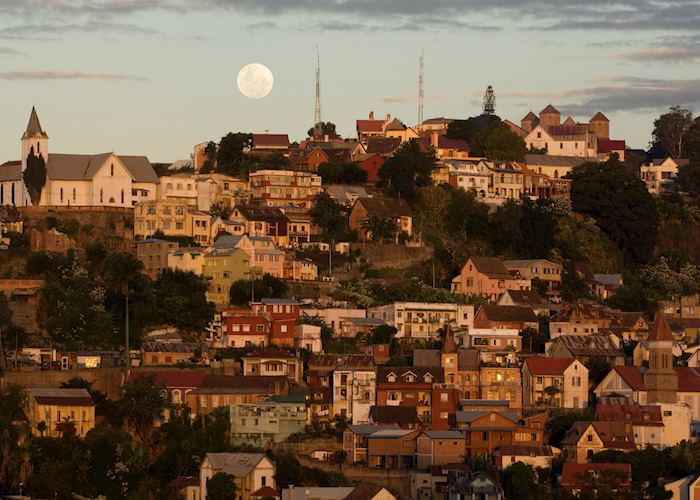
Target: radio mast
{"x":318,"y":130}
{"x":421,"y":95}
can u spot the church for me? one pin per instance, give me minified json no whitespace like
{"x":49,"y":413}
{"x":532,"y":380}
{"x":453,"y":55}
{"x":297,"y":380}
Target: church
{"x":100,"y":180}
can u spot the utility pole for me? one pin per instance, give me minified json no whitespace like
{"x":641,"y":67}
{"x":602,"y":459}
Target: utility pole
{"x":421,"y":95}
{"x":330,"y":258}
{"x":318,"y":129}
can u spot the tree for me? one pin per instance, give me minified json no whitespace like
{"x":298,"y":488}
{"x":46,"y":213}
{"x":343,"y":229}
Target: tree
{"x":551,"y":391}
{"x":268,"y":286}
{"x":231,"y":151}
{"x":339,"y":457}
{"x":408,"y":170}
{"x":328,"y":214}
{"x":341,"y":173}
{"x":598,"y":368}
{"x":520,"y":481}
{"x":181,"y":298}
{"x":498,"y":142}
{"x":688,"y":179}
{"x":533,"y":340}
{"x":466,"y":215}
{"x":220,"y":210}
{"x":5,"y":321}
{"x":221,"y":486}
{"x":74,"y":309}
{"x":380,"y":228}
{"x":691,"y":143}
{"x":288,"y":470}
{"x":383,"y":334}
{"x":489,"y":104}
{"x":34,"y":176}
{"x":66,"y":427}
{"x":142,"y":403}
{"x":670,"y":130}
{"x":210,"y":154}
{"x":121,"y":269}
{"x":620,"y":204}
{"x":557,"y":426}
{"x":467,"y":129}
{"x":42,"y":428}
{"x":327,"y":128}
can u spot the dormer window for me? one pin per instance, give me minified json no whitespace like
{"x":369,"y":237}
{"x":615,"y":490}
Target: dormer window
{"x":391,"y":377}
{"x":428,"y":378}
{"x":409,"y":378}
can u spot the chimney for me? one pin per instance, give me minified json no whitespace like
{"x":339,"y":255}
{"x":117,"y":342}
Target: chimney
{"x":267,"y":131}
{"x":371,"y":115}
{"x":388,"y":117}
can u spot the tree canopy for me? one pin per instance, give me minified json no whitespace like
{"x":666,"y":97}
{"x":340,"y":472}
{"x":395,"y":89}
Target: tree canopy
{"x":620,"y":204}
{"x":408,"y":170}
{"x":34,"y":176}
{"x":670,"y":129}
{"x":341,"y":173}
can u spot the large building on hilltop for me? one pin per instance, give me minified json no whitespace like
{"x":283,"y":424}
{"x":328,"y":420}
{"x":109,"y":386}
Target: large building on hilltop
{"x":102,"y":180}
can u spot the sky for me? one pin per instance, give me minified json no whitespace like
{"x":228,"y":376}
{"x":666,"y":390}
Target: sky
{"x":156,"y":77}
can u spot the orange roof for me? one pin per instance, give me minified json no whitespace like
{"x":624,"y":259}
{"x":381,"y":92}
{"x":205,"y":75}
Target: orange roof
{"x":571,"y":471}
{"x":660,"y":330}
{"x":548,"y":366}
{"x":688,"y":378}
{"x":370,"y":125}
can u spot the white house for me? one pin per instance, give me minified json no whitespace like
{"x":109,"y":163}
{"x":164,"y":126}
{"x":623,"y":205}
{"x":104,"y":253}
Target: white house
{"x":105,"y":179}
{"x":660,"y":175}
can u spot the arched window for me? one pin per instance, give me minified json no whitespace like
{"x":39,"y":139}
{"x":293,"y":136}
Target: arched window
{"x":111,"y":169}
{"x":101,"y":196}
{"x":61,"y":195}
{"x":556,"y":174}
{"x":13,"y":194}
{"x":38,"y":148}
{"x":73,"y":195}
{"x":122,"y":196}
{"x":176,"y":396}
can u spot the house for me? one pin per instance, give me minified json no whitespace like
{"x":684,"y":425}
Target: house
{"x":541,"y":269}
{"x":408,"y":387}
{"x":684,"y":488}
{"x":251,"y":472}
{"x":346,"y":194}
{"x":263,"y":221}
{"x":320,"y":402}
{"x":369,"y":492}
{"x":11,"y":220}
{"x":580,"y":318}
{"x":223,"y":267}
{"x":485,"y":431}
{"x":461,"y":366}
{"x":384,"y":146}
{"x":54,"y":407}
{"x":534,"y":456}
{"x":172,"y":217}
{"x":492,"y":316}
{"x":177,"y":383}
{"x":645,"y":421}
{"x":267,"y":144}
{"x":355,"y":439}
{"x":405,"y":417}
{"x":487,"y":277}
{"x":300,"y":269}
{"x":284,"y":314}
{"x":284,"y":188}
{"x":570,"y":138}
{"x":396,"y":129}
{"x":225,"y":390}
{"x":525,"y":298}
{"x":316,"y":492}
{"x":153,"y":253}
{"x":557,"y":382}
{"x":265,"y":257}
{"x":553,"y":166}
{"x":106,"y":179}
{"x":271,"y":363}
{"x":439,"y":448}
{"x":370,"y":163}
{"x":608,"y":147}
{"x":23,"y":300}
{"x":308,"y":337}
{"x":395,"y":209}
{"x":445,"y":148}
{"x":50,"y":240}
{"x":392,"y":449}
{"x":422,"y":320}
{"x":187,"y":259}
{"x":267,"y":422}
{"x":604,"y":286}
{"x":585,"y":347}
{"x":370,"y":127}
{"x":494,"y":345}
{"x":187,"y":487}
{"x":578,"y":476}
{"x":585,"y":439}
{"x":170,"y":354}
{"x":243,"y":327}
{"x":473,"y":485}
{"x":629,"y":325}
{"x":501,"y":383}
{"x":333,"y":316}
{"x":659,"y":176}
{"x":354,"y":385}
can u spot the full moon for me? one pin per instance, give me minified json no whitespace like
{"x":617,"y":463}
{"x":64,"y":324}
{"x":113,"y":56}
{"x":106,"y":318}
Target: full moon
{"x":255,"y":81}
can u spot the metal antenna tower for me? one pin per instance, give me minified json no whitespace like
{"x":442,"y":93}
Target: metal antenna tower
{"x":318,"y":130}
{"x":421,"y":95}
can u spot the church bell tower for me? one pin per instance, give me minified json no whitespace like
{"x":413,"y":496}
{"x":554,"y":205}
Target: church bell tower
{"x":34,"y":139}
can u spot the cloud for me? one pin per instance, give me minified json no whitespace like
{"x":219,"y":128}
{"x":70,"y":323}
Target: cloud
{"x":54,"y":29}
{"x":672,"y":54}
{"x":632,"y":94}
{"x":9,"y":51}
{"x":65,"y":75}
{"x":404,"y":98}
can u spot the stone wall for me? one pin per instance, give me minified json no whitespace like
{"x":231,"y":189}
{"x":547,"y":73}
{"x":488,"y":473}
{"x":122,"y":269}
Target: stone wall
{"x":393,"y":256}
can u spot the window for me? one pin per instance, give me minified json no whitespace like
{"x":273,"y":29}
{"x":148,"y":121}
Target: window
{"x":589,"y":438}
{"x":101,"y":196}
{"x":444,"y":397}
{"x":61,"y":194}
{"x":73,"y":194}
{"x":122,"y":196}
{"x":444,"y":415}
{"x":111,"y":170}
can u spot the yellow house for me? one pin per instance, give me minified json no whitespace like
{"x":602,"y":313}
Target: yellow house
{"x":54,"y":406}
{"x":224,"y":266}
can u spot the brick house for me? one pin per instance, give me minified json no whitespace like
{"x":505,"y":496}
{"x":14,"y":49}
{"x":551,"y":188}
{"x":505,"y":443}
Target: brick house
{"x":284,"y":314}
{"x":408,"y":386}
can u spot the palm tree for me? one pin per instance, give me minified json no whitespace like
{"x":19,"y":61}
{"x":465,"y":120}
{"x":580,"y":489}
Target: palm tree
{"x":121,"y":269}
{"x":66,"y":427}
{"x":551,"y":391}
{"x":41,"y":427}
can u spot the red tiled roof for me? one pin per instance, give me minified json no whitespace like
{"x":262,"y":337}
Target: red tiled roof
{"x":632,"y":376}
{"x":571,"y":471}
{"x":548,"y":366}
{"x":636,"y":414}
{"x":550,"y":109}
{"x":610,"y":145}
{"x":370,"y":125}
{"x":599,"y":117}
{"x":688,"y":378}
{"x":172,"y":378}
{"x":265,"y":491}
{"x":660,"y":330}
{"x":267,"y":140}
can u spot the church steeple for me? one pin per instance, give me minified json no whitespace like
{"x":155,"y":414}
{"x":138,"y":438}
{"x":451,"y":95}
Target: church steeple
{"x":34,"y":139}
{"x":34,"y":129}
{"x":661,"y":379}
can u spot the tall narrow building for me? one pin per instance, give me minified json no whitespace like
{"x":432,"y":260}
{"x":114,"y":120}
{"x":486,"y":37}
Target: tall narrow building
{"x":661,"y":379}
